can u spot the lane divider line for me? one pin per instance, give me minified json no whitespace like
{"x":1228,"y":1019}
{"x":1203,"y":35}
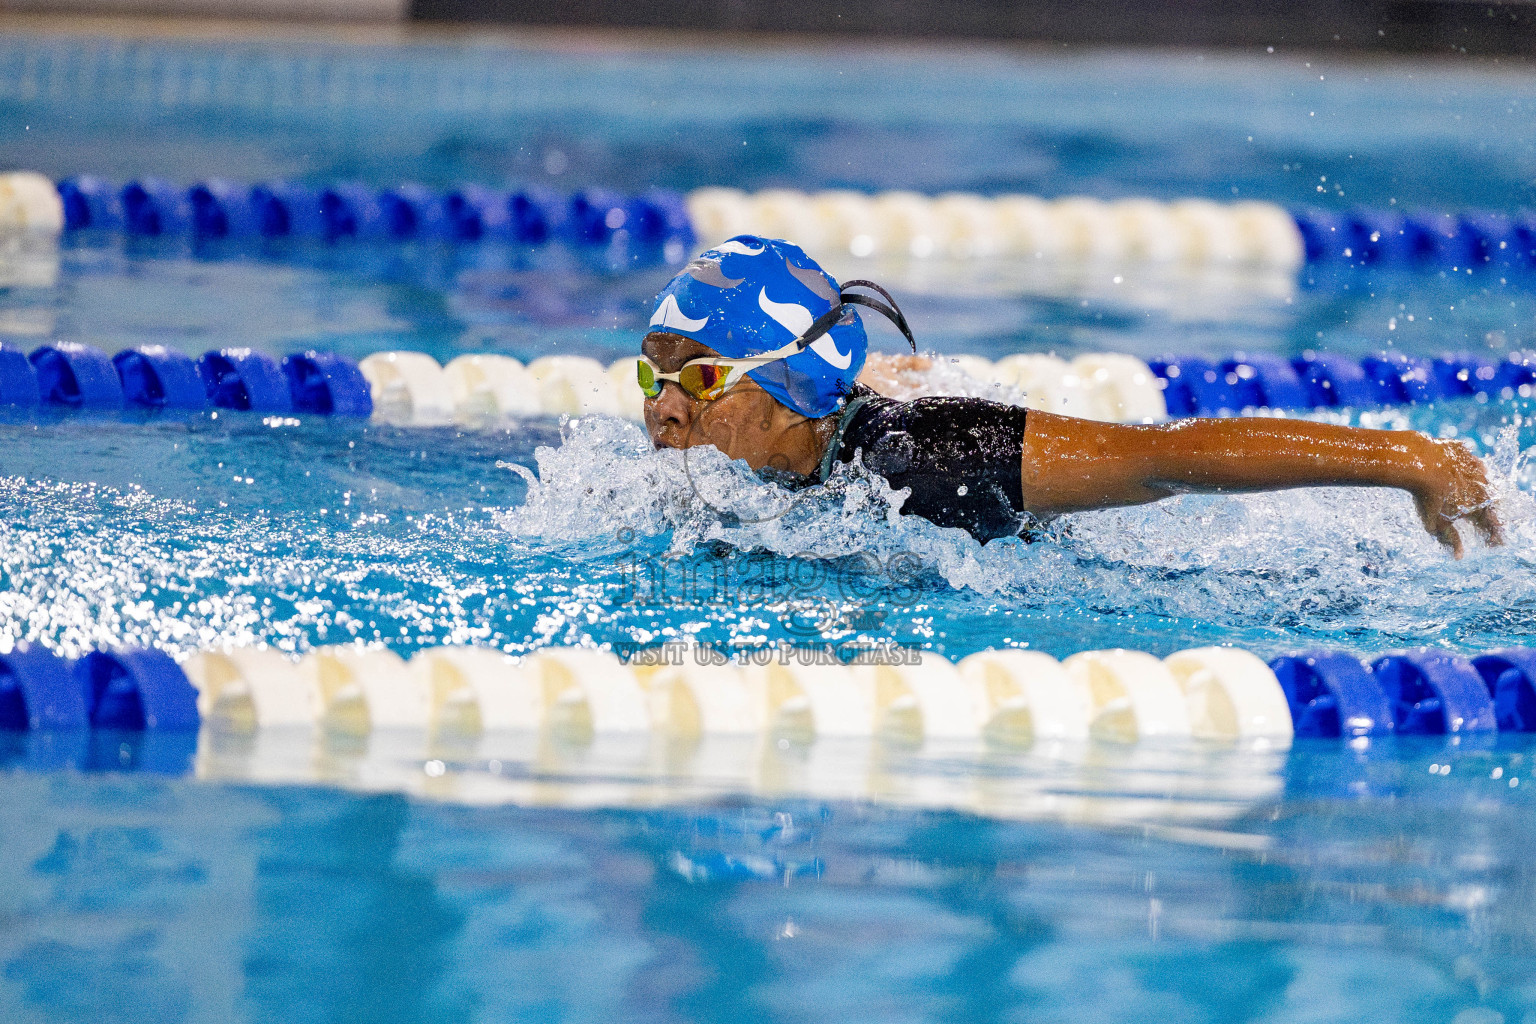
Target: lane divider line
{"x":412,"y":389}
{"x":1074,"y":229}
{"x":1010,"y":698}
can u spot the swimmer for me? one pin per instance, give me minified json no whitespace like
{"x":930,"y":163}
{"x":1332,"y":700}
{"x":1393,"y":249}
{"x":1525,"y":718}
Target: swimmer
{"x":763,"y":352}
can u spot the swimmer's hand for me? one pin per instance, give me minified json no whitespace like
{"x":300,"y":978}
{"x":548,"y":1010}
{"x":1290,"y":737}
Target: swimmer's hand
{"x":1453,"y":486}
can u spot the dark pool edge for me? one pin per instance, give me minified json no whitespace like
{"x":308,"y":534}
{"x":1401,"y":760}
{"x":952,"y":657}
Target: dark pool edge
{"x":437,"y":22}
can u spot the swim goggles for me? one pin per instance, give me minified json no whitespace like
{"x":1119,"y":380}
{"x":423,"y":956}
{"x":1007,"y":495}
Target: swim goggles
{"x":709,"y":378}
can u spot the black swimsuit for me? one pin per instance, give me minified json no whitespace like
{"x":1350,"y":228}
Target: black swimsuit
{"x":962,"y":457}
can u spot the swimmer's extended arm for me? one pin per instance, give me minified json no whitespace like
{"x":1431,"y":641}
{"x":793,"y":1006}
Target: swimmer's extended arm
{"x":1071,"y":465}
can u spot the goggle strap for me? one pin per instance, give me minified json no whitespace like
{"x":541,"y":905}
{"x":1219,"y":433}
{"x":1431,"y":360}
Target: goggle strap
{"x":820,"y":326}
{"x":891,"y":313}
{"x":887,"y":296}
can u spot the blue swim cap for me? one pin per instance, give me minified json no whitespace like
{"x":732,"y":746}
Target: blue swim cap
{"x":753,"y":295}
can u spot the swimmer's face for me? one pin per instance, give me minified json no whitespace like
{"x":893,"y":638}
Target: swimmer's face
{"x":746,"y":423}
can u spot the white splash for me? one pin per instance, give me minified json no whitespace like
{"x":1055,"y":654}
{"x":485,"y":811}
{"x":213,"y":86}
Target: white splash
{"x":1327,"y":558}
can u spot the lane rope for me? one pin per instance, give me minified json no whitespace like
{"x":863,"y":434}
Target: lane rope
{"x":486,"y":390}
{"x":1008,"y":697}
{"x":954,"y":226}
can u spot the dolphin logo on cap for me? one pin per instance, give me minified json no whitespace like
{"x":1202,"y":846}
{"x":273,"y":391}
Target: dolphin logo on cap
{"x":707,"y":271}
{"x":796,"y":319}
{"x":740,"y":248}
{"x":668,"y":315}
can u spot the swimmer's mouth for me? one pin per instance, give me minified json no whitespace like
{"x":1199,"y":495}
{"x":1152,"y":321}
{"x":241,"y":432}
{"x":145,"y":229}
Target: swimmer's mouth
{"x":675,"y":439}
{"x":665,"y":439}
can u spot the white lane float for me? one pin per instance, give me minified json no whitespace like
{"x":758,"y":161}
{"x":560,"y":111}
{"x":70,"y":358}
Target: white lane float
{"x":845,"y":221}
{"x":1088,"y":231}
{"x":1010,"y":697}
{"x":717,"y":214}
{"x":1147,"y":230}
{"x":1121,"y":388}
{"x":362,"y":689}
{"x":1268,"y":236}
{"x":408,"y":388}
{"x":901,"y":224}
{"x":928,"y":701}
{"x":30,"y":204}
{"x":806,"y":702}
{"x":1231,"y":694}
{"x":1027,"y":696}
{"x":1134,"y":695}
{"x":1029,"y":228}
{"x":785,"y":213}
{"x":627,"y":386}
{"x":587,"y":692}
{"x":1210,"y":233}
{"x":476,"y":690}
{"x":244,"y":689}
{"x":908,"y":704}
{"x":976,"y":367}
{"x":574,"y":386}
{"x":486,"y":389}
{"x":1072,"y":229}
{"x":1048,"y":382}
{"x":691,"y":701}
{"x":966,"y":226}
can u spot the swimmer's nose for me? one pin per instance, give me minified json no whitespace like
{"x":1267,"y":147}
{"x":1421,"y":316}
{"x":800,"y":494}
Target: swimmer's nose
{"x":669,"y":416}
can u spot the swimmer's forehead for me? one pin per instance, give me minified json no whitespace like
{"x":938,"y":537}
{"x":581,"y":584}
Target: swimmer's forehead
{"x":671,"y":351}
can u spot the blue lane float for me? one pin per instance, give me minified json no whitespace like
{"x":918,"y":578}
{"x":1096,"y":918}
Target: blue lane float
{"x":1199,"y":386}
{"x":1434,"y":693}
{"x":137,"y":689}
{"x":70,"y":375}
{"x":1400,"y":379}
{"x":37,"y":692}
{"x":18,"y":379}
{"x":327,"y":384}
{"x":1332,"y":694}
{"x":1329,"y":693}
{"x":1459,"y":375}
{"x":1334,"y":381}
{"x":1413,"y":240}
{"x":127,"y":690}
{"x":219,"y":209}
{"x":1193,"y":386}
{"x":77,"y":376}
{"x":154,"y":207}
{"x":1510,"y":676}
{"x":1419,"y":239}
{"x":1261,"y":380}
{"x":156,"y":377}
{"x":245,"y":380}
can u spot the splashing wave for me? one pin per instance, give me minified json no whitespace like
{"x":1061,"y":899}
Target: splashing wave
{"x":1308,"y":559}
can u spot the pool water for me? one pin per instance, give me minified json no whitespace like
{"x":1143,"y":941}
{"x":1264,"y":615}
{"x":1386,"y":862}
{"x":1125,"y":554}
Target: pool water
{"x":1360,"y":883}
{"x":1387,"y":880}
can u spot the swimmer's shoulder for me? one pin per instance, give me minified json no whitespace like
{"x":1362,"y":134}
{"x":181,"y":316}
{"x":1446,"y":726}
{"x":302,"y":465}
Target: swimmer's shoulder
{"x":959,"y":457}
{"x":870,"y":419}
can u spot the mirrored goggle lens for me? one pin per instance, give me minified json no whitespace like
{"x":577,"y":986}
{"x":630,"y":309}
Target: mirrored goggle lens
{"x":647,"y":379}
{"x":705,"y":380}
